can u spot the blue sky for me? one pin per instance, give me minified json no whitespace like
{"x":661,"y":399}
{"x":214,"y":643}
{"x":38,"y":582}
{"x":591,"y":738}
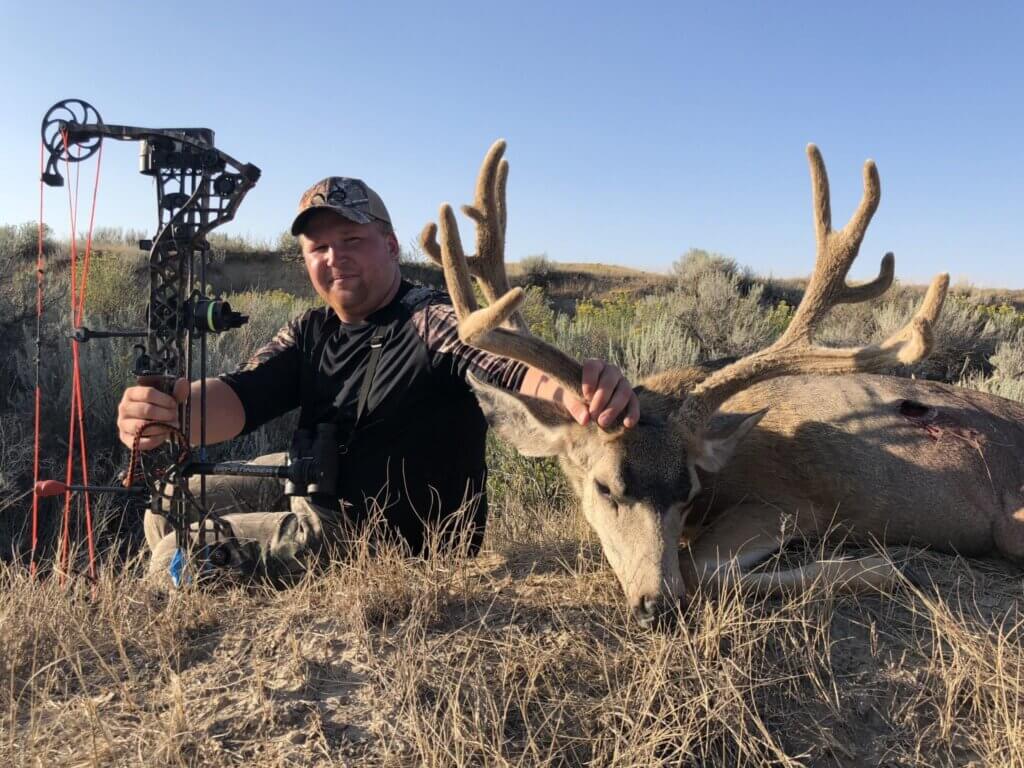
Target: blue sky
{"x":636,"y":131}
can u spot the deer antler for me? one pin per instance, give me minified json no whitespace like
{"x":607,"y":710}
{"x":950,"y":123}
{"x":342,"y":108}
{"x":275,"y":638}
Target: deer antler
{"x":794,"y":352}
{"x":481,"y":327}
{"x":490,"y":215}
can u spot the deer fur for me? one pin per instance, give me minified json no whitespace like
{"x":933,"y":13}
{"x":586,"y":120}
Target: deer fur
{"x":891,"y":460}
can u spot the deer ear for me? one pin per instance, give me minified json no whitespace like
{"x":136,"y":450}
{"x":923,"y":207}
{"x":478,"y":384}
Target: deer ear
{"x":724,"y":433}
{"x":535,"y":427}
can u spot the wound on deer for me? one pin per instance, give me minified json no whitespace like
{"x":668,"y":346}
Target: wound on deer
{"x":916,"y":411}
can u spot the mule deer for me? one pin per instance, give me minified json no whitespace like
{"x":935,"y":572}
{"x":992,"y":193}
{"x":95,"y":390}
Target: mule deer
{"x":638,"y":487}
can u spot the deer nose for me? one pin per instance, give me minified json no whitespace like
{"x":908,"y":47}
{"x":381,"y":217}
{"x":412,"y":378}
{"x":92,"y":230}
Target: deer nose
{"x":655,"y":610}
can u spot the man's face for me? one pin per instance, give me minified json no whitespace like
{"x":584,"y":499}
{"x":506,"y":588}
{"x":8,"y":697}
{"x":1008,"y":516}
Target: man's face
{"x":354,"y":267}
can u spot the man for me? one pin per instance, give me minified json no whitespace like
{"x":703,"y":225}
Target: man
{"x":382,"y":362}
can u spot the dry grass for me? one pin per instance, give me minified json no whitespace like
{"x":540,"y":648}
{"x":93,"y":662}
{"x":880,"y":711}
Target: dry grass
{"x":523,"y":656}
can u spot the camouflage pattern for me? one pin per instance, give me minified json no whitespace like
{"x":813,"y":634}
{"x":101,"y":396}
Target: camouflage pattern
{"x":351,"y":198}
{"x":435,"y":321}
{"x":245,"y":541}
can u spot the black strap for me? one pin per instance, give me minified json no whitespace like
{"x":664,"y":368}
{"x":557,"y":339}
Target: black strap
{"x":376,"y":345}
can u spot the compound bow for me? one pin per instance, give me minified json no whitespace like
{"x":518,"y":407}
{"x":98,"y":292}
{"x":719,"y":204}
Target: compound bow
{"x":199,"y":187}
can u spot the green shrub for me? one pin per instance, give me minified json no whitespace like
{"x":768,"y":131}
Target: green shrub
{"x":964,"y":339}
{"x":657,"y":341}
{"x":537,"y":314}
{"x":780,"y":316}
{"x":1002,"y":316}
{"x":117,"y":289}
{"x":611,"y":313}
{"x":288,"y":245}
{"x":222,"y":243}
{"x":1007,"y":377}
{"x":521,"y":488}
{"x":537,"y":269}
{"x":119,"y":236}
{"x":722,"y":318}
{"x":1008,"y":359}
{"x":696,"y":263}
{"x":20,"y":243}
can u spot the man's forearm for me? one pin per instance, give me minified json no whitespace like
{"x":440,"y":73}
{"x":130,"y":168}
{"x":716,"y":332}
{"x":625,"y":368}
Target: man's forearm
{"x":225,"y":416}
{"x":538,"y":384}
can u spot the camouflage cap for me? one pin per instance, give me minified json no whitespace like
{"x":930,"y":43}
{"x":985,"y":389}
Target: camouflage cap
{"x":351,"y":198}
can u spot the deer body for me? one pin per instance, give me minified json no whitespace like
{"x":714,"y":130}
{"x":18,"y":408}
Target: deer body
{"x":894,"y":460}
{"x":823,"y":449}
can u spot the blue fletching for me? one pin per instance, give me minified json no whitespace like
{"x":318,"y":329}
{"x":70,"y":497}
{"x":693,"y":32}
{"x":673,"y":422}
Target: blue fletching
{"x":177,"y":567}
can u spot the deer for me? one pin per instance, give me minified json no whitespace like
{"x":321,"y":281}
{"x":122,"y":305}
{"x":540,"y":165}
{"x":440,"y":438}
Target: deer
{"x":726,"y":466}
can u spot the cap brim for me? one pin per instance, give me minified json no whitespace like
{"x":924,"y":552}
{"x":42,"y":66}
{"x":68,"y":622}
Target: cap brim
{"x":358,"y":217}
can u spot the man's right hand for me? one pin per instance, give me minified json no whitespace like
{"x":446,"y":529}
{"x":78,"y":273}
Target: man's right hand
{"x":141,"y":406}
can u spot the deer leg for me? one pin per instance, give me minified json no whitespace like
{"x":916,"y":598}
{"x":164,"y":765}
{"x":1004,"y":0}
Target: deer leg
{"x":740,"y":538}
{"x":865,"y":574}
{"x":746,"y":535}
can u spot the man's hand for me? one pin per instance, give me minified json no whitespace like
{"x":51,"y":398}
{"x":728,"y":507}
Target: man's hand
{"x":608,"y":396}
{"x":142,"y":405}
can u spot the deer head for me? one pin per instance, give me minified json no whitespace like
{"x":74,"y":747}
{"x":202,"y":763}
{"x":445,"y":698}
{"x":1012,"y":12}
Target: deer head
{"x":636,"y":485}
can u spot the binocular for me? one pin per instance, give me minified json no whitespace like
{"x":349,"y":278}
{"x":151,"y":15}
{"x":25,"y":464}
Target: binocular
{"x":313,"y":462}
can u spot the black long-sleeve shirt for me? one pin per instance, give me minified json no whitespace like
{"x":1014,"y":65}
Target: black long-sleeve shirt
{"x":417,"y":452}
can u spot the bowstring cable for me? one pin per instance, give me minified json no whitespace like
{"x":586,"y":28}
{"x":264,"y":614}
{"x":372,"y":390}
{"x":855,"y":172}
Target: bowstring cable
{"x":81,"y":408}
{"x":77,"y":418}
{"x":65,"y":533}
{"x":40,"y":267}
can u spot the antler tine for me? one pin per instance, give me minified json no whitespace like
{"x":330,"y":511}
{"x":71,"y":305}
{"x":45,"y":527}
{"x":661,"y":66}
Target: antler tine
{"x":836,"y":251}
{"x":480,"y":327}
{"x":453,"y":261}
{"x":934,"y":299}
{"x":484,"y":212}
{"x":428,"y":242}
{"x":794,"y":353}
{"x":820,"y":194}
{"x":500,"y":184}
{"x":489,"y":213}
{"x":490,"y":233}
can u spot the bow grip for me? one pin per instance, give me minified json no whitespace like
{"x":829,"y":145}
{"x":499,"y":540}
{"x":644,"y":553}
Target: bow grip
{"x":160,"y":381}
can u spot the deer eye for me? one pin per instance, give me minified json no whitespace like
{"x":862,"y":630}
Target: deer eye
{"x":603,"y":490}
